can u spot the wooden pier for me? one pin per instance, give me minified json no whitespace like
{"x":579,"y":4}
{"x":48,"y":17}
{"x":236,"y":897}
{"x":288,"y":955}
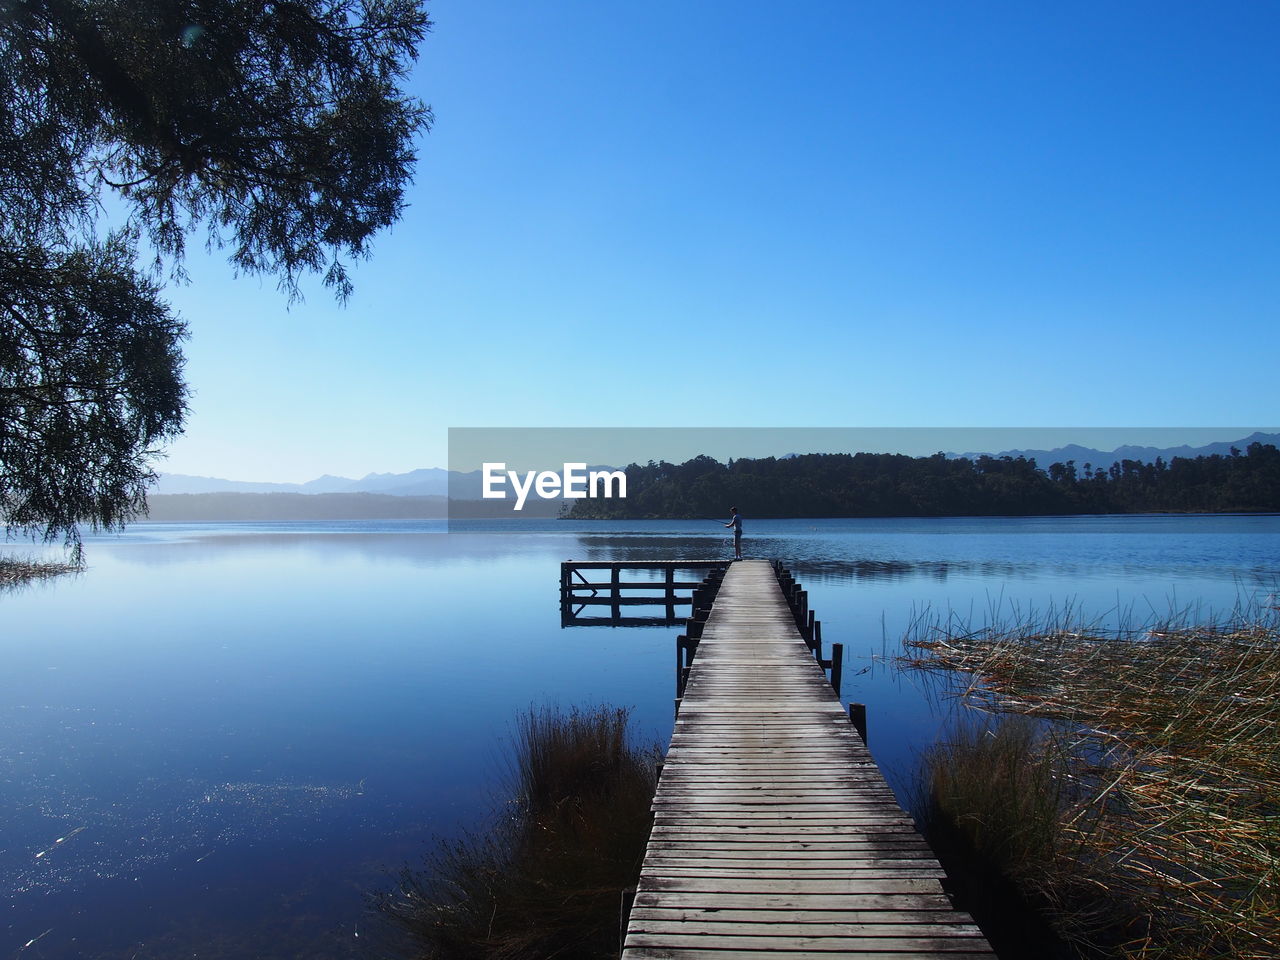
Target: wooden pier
{"x":774,"y":833}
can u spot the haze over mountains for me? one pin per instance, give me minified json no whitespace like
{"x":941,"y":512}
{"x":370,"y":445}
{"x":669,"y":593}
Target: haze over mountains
{"x":428,"y":482}
{"x":1102,"y":459}
{"x":434,"y":481}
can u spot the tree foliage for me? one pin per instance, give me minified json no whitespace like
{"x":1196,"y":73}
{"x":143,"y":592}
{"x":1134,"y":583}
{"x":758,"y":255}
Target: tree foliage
{"x":281,"y":127}
{"x":90,"y":382}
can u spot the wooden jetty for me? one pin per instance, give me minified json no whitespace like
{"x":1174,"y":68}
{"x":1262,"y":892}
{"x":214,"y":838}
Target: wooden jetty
{"x":774,"y":833}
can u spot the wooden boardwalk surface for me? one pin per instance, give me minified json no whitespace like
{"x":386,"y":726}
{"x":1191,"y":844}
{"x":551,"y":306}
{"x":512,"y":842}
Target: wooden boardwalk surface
{"x":774,"y":833}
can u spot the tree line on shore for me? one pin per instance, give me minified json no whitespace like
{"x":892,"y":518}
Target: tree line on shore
{"x":895,"y":485}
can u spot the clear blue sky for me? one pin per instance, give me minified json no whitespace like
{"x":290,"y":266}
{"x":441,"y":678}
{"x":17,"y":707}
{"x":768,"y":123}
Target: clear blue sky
{"x":816,"y":214}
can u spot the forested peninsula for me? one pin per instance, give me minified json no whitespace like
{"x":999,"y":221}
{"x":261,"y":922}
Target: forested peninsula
{"x":893,"y":485}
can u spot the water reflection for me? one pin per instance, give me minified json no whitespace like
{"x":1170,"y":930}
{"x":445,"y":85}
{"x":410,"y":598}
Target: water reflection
{"x":838,"y":571}
{"x":237,"y":729}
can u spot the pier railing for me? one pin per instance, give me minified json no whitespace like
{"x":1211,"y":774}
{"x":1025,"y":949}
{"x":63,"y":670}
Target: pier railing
{"x":610,"y":593}
{"x":810,"y":628}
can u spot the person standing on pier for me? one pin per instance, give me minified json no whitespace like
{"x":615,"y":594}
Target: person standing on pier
{"x":735,"y":521}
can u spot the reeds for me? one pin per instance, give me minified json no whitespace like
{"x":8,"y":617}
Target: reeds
{"x":546,"y":879}
{"x":16,"y":571}
{"x":1165,"y":745}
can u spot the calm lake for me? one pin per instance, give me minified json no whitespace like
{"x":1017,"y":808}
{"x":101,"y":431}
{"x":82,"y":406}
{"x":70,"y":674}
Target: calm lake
{"x":219,"y":738}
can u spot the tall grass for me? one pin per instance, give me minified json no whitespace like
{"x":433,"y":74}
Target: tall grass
{"x":1160,"y":752}
{"x":546,"y":879}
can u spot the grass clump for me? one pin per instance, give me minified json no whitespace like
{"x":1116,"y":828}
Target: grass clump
{"x":990,"y":802}
{"x":1144,"y":816}
{"x":996,"y":787}
{"x":546,"y":879}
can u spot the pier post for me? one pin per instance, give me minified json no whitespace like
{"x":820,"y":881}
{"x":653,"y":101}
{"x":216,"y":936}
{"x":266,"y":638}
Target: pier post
{"x":679,"y":665}
{"x":858,"y":717}
{"x":628,"y":900}
{"x":837,"y":666}
{"x":566,"y":572}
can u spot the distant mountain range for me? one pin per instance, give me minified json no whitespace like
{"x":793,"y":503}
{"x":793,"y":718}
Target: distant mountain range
{"x":239,"y":507}
{"x":255,"y":507}
{"x":428,"y":482}
{"x":434,"y":481}
{"x":1102,"y":459}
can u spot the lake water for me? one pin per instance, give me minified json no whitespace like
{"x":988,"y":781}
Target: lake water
{"x":237,"y":731}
